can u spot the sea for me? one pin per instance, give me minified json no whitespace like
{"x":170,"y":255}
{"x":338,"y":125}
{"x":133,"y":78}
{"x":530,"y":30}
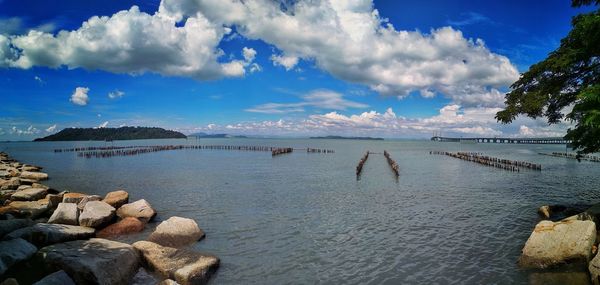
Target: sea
{"x":305,"y":218}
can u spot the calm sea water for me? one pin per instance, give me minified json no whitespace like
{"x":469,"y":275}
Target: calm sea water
{"x":305,"y":218}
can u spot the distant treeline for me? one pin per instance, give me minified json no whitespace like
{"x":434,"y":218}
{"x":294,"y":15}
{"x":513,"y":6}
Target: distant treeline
{"x":102,"y":134}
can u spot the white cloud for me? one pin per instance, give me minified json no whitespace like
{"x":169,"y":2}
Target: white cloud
{"x":116,"y":94}
{"x":348,"y":39}
{"x":103,"y":125}
{"x":288,"y":62}
{"x":51,"y":129}
{"x":320,"y":99}
{"x":80,"y":96}
{"x":351,"y":41}
{"x":130,"y":41}
{"x":38,"y":79}
{"x":29,"y":131}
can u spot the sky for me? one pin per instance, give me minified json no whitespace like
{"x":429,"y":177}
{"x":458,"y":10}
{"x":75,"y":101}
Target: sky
{"x":394,"y":69}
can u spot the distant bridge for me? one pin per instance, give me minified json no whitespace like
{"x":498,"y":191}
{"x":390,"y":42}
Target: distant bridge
{"x":557,"y":140}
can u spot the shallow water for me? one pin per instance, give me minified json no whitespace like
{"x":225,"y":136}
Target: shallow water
{"x":304,"y":218}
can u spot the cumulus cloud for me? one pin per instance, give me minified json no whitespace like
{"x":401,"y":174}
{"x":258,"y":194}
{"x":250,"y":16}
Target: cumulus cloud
{"x":51,"y":129}
{"x":351,"y":41}
{"x":80,"y":96}
{"x":452,"y":120}
{"x":29,"y":131}
{"x":116,"y":94}
{"x":348,"y":39}
{"x":320,"y":99}
{"x":288,"y":62}
{"x":130,"y":41}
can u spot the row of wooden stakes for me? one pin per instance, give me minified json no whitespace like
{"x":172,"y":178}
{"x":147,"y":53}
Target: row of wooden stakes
{"x":504,"y":164}
{"x":391,"y":162}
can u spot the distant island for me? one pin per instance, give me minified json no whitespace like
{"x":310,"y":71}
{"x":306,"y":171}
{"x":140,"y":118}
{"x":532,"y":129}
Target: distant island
{"x":215,"y":136}
{"x":108,"y":134}
{"x":347,"y":138}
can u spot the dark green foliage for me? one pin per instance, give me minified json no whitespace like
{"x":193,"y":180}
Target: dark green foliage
{"x":579,"y":3}
{"x":570,"y":76}
{"x":123,"y":133}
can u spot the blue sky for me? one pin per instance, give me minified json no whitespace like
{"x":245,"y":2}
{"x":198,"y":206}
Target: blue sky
{"x":389,"y":68}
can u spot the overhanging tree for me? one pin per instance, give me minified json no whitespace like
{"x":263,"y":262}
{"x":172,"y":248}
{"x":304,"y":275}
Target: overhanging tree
{"x":569,"y":77}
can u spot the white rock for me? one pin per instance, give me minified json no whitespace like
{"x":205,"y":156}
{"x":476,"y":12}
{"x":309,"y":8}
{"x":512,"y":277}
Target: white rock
{"x":96,"y":214}
{"x":176,"y":232}
{"x":65,"y":213}
{"x":556,"y":243}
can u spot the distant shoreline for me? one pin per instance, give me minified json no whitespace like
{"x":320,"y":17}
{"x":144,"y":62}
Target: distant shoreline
{"x":347,"y":138}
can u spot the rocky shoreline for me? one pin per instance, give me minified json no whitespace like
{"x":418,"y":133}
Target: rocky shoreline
{"x":53,"y":237}
{"x":567,"y":245}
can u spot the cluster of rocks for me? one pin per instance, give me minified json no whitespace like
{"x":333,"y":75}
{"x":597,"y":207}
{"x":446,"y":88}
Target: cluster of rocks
{"x":71,"y":238}
{"x":570,"y":243}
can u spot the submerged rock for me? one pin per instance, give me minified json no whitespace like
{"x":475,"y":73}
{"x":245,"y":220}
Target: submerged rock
{"x":125,"y":226}
{"x":56,"y":278}
{"x":96,"y":214}
{"x":65,"y":213}
{"x":117,"y":198}
{"x":140,"y":209}
{"x":559,"y":278}
{"x":34,"y":175}
{"x":176,"y":232}
{"x":46,"y":234}
{"x":29,"y":194}
{"x":94,"y":261}
{"x":182,"y":265}
{"x":556,"y":243}
{"x":8,"y":226}
{"x":14,"y":251}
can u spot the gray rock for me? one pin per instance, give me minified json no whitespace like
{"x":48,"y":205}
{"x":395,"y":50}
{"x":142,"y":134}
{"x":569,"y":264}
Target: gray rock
{"x":39,"y":185}
{"x":34,"y":175}
{"x":29,"y":194}
{"x":176,"y":232}
{"x":140,"y":209}
{"x":94,"y":261}
{"x":96,"y":214}
{"x":46,"y":234}
{"x":23,"y":187}
{"x":594,"y":268}
{"x":182,"y":265}
{"x":65,"y":213}
{"x":86,"y":199}
{"x":14,"y":251}
{"x":6,"y":194}
{"x":54,"y":199}
{"x":10,"y":281}
{"x":557,"y":243}
{"x":8,"y":226}
{"x":4,"y":173}
{"x":56,"y":278}
{"x":168,"y":282}
{"x":143,"y":278}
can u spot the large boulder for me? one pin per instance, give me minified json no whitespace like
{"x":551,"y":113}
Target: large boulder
{"x":11,"y":184}
{"x":553,"y":243}
{"x":29,"y":194}
{"x":94,"y":261}
{"x":594,"y":268}
{"x":182,"y":265}
{"x":125,"y":226}
{"x":14,"y":251}
{"x":30,"y":209}
{"x":56,"y":278}
{"x":46,"y":234}
{"x":30,"y":168}
{"x":65,"y":213}
{"x":8,"y":226}
{"x":87,"y":199}
{"x":140,"y":209}
{"x":176,"y":232}
{"x":34,"y":175}
{"x":73,"y":197}
{"x":96,"y":214}
{"x":54,"y":199}
{"x":117,"y":198}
